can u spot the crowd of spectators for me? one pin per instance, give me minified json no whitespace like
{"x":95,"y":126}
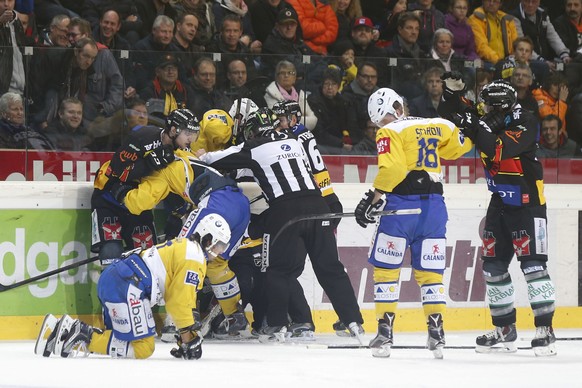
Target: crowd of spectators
{"x":83,"y":68}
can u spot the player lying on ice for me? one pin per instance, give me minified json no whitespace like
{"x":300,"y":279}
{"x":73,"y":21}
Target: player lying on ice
{"x":172,"y":272}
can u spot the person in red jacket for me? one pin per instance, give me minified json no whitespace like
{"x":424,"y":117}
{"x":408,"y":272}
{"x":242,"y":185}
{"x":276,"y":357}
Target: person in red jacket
{"x":318,"y":22}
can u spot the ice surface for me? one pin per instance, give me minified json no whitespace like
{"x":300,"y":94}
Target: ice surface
{"x":251,"y":364}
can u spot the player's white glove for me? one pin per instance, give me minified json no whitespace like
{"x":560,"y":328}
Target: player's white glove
{"x":453,"y":84}
{"x":365,"y":208}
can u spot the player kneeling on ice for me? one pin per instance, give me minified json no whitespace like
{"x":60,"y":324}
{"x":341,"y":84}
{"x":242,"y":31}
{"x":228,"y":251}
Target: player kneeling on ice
{"x":409,"y":176}
{"x":172,"y":272}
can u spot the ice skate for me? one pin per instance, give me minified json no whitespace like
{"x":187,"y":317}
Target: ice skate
{"x":436,"y":335}
{"x":501,"y":339}
{"x":544,"y":342}
{"x":72,"y":338}
{"x":301,"y":332}
{"x":381,"y":345}
{"x":272,"y":334}
{"x":357,"y":331}
{"x":231,"y":325}
{"x":169,"y":331}
{"x":340,"y":329}
{"x":45,"y":342}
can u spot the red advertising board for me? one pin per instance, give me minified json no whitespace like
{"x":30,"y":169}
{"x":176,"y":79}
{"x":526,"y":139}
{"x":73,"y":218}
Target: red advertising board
{"x":18,"y":165}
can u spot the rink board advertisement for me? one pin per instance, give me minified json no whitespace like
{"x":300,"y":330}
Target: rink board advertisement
{"x":47,"y":225}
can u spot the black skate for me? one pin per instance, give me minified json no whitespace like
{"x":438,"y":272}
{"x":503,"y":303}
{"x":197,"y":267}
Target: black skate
{"x":436,"y":335}
{"x":544,"y":342}
{"x":231,"y":325}
{"x":382,"y":343}
{"x":340,"y":329}
{"x":72,"y":338}
{"x":45,"y":342}
{"x":501,"y":339}
{"x":272,"y":334}
{"x":354,"y":329}
{"x":301,"y":332}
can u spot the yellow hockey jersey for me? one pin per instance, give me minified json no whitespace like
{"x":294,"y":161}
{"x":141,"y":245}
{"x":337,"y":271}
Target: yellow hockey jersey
{"x":178,"y":268}
{"x":414,"y":143}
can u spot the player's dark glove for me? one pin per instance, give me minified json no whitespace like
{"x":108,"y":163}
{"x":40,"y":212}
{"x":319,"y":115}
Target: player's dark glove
{"x":120,"y":189}
{"x":453,"y":84}
{"x":191,"y":350}
{"x":468,"y":123}
{"x":365,"y":208}
{"x":495,"y":120}
{"x":161,"y":157}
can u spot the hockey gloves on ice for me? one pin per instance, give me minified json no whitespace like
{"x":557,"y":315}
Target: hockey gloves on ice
{"x":453,"y":84}
{"x":191,"y":350}
{"x":365,"y":208}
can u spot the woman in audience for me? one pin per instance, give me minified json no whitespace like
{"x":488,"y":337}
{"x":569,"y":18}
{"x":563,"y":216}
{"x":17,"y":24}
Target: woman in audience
{"x":456,"y":23}
{"x":346,"y":12}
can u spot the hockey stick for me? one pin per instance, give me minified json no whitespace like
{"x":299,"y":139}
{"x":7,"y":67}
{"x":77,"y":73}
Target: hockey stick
{"x":329,"y":216}
{"x":6,"y":287}
{"x":236,"y":118}
{"x":357,"y":346}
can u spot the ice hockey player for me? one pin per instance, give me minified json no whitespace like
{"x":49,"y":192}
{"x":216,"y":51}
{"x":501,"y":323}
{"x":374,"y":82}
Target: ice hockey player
{"x":128,"y":288}
{"x":516,"y":222}
{"x":409,"y":177}
{"x":277,"y":162}
{"x":146,"y":150}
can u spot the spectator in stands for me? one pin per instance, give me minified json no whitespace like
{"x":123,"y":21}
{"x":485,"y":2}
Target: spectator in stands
{"x":130,"y":22}
{"x":318,"y":23}
{"x":444,"y":54}
{"x":66,"y":132}
{"x":569,"y":28}
{"x":553,"y":142}
{"x":574,"y":117}
{"x":104,"y":94}
{"x":426,"y":104}
{"x":237,"y":75}
{"x":335,"y":117}
{"x":456,"y":22}
{"x":188,"y":51}
{"x":364,"y":48}
{"x":346,"y":12}
{"x":551,"y":98}
{"x":56,"y":34}
{"x":431,"y":19}
{"x":205,"y":94}
{"x":202,"y":9}
{"x":367,"y":146}
{"x":11,"y":40}
{"x":264,"y":16}
{"x":228,"y":43}
{"x":522,"y":80}
{"x":167,"y":87}
{"x":221,"y":8}
{"x":345,"y":62}
{"x":106,"y":31}
{"x":110,"y":133}
{"x":150,"y":10}
{"x":13,"y":133}
{"x":389,"y":24}
{"x":283,"y":88}
{"x":533,"y":22}
{"x":411,"y":58}
{"x":357,"y":93}
{"x":29,"y":27}
{"x":284,"y":43}
{"x":494,"y":32}
{"x":148,"y":50}
{"x":46,"y":10}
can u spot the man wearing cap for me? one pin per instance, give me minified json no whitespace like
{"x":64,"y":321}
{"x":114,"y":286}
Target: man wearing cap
{"x":264,"y":16}
{"x":167,"y":87}
{"x":364,"y":47}
{"x":284,"y":43}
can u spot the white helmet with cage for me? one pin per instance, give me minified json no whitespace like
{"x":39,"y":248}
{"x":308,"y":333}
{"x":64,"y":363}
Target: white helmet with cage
{"x":212,"y":233}
{"x":383,"y":102}
{"x":246,"y":106}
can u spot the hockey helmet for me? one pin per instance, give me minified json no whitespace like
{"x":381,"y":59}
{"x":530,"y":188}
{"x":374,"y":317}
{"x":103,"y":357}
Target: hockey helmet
{"x":287,"y":108}
{"x":499,"y":94}
{"x":244,"y":107}
{"x":260,"y":123}
{"x":382,"y":102}
{"x":182,"y":120}
{"x":212,"y":233}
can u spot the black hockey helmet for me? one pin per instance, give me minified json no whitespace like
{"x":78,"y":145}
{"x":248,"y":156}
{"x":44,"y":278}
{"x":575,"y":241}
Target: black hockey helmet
{"x":499,"y":94}
{"x":183,"y":120}
{"x":260,"y":123}
{"x":287,"y":108}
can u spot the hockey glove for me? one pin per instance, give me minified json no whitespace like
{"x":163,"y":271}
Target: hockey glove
{"x":453,"y":84}
{"x":161,"y":157}
{"x":191,"y":350}
{"x":495,"y":120}
{"x":365,"y":208}
{"x":468,"y":123}
{"x":120,"y":189}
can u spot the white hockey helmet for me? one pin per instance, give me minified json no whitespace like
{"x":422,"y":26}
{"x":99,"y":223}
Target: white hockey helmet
{"x":382,"y":102}
{"x":212,"y":233}
{"x":247,"y":106}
